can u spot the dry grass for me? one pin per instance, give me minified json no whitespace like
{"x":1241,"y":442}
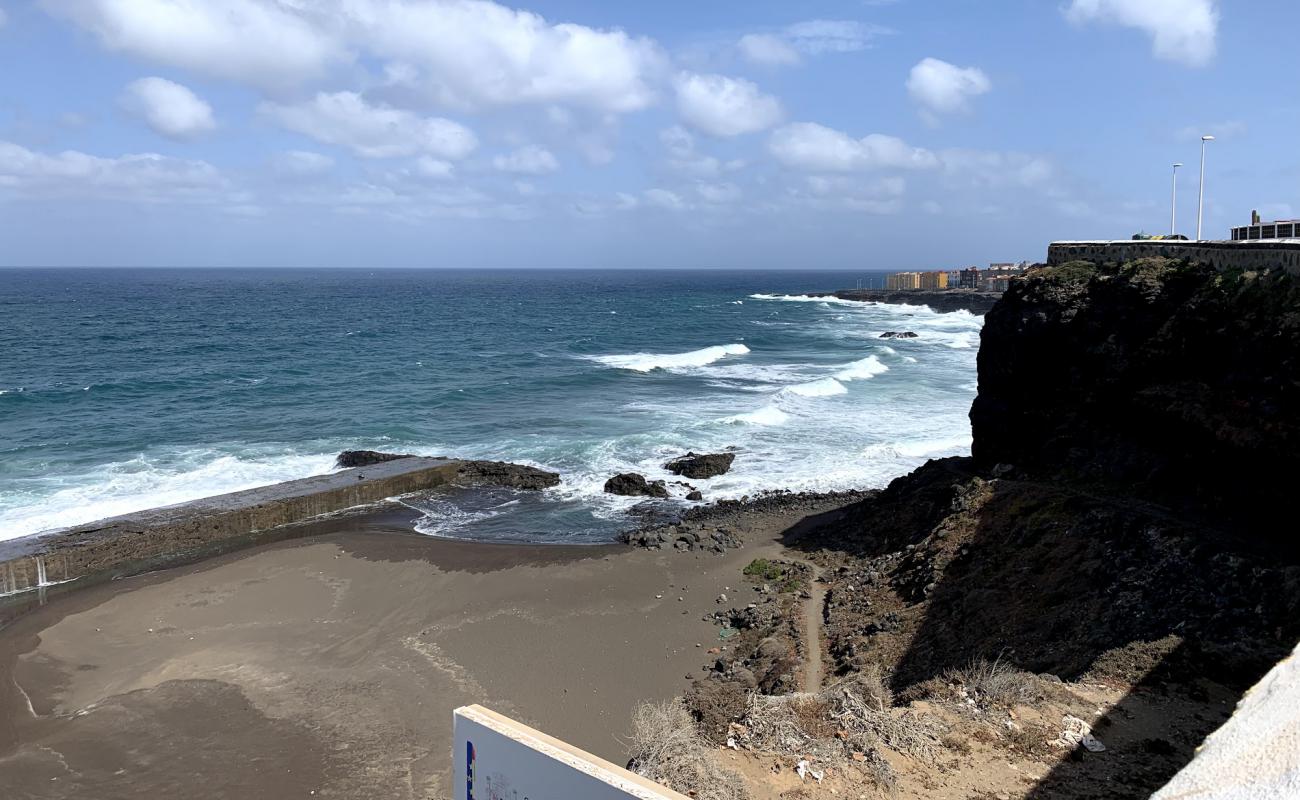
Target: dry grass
{"x":852,"y":716}
{"x":994,"y":683}
{"x":667,"y":748}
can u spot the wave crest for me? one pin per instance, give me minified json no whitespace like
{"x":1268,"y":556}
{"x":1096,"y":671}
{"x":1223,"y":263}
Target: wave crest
{"x":647,"y":362}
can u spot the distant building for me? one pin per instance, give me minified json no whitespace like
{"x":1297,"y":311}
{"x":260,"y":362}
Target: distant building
{"x":903,"y":280}
{"x":954,"y":278}
{"x":969,"y":278}
{"x":1278,"y":229}
{"x":934,"y":280}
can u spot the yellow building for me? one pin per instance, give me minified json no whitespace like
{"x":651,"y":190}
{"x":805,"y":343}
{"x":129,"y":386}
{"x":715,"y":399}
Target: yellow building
{"x":934,"y":280}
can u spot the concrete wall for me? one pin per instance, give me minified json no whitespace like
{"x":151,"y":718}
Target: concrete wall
{"x":147,"y":539}
{"x":1284,"y":253}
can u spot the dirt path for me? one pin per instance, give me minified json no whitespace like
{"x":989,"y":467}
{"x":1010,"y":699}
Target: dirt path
{"x":814,"y":670}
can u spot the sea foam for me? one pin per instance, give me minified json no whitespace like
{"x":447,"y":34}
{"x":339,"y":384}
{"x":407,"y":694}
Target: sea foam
{"x":647,"y":362}
{"x":821,"y":388}
{"x":862,"y":369}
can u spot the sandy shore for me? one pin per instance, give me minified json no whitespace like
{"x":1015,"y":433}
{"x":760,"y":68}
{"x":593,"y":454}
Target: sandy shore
{"x":331,"y":664}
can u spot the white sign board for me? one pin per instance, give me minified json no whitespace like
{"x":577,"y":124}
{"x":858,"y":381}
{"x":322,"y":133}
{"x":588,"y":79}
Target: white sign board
{"x":500,"y":759}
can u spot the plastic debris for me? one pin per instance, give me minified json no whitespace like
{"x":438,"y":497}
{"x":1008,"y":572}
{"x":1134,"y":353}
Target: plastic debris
{"x":1077,"y":732}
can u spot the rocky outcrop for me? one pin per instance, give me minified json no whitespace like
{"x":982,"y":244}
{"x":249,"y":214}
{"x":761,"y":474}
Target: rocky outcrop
{"x":701,"y":466}
{"x":504,"y":473}
{"x":632,"y":484}
{"x":1160,"y":379}
{"x":976,"y":302}
{"x":1123,"y":517}
{"x":898,"y":335}
{"x":364,"y":458}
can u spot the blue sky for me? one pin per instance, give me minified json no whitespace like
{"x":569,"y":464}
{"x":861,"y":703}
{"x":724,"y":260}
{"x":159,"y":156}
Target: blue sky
{"x":866,"y":135}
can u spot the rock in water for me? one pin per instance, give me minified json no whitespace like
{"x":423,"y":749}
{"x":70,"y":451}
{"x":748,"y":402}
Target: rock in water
{"x":504,"y":473}
{"x":631,"y":484}
{"x":701,"y":466}
{"x":364,"y":458}
{"x":898,"y":335}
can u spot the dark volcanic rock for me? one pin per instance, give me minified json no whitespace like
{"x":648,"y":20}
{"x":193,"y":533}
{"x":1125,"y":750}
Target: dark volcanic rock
{"x":700,"y":466}
{"x":631,"y":484}
{"x":1164,"y":380}
{"x":898,"y":335}
{"x":976,"y":302}
{"x":694,"y":494}
{"x":364,"y":458}
{"x":503,"y":473}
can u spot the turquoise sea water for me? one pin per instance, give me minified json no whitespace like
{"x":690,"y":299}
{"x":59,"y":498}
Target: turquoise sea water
{"x":126,"y":389}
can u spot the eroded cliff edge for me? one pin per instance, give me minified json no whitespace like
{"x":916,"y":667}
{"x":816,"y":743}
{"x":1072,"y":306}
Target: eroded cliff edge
{"x":1123,"y":518}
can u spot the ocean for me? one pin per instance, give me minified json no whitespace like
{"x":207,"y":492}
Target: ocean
{"x":126,"y":389}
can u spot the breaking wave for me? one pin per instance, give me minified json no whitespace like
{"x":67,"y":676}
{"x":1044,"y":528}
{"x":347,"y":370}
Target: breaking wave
{"x":648,"y":362}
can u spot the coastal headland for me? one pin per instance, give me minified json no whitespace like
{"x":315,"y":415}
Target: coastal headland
{"x":944,"y":300}
{"x":1066,"y":613}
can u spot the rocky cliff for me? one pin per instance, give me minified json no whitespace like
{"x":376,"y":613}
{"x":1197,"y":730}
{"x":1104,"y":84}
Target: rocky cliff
{"x":1158,"y":379}
{"x":1123,"y":518}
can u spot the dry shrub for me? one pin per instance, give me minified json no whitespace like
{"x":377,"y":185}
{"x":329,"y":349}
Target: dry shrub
{"x":849,"y":718}
{"x":874,"y":687}
{"x":995,"y":683}
{"x":716,"y":704}
{"x":667,"y":748}
{"x":956,"y":743}
{"x":879,"y":771}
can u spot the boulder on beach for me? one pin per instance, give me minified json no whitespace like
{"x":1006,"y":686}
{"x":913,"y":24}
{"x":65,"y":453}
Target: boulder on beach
{"x":631,"y":484}
{"x":701,"y":465}
{"x":898,"y":335}
{"x":364,"y":458}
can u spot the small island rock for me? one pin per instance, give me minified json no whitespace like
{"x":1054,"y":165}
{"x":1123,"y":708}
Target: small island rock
{"x":701,"y":465}
{"x":631,"y":484}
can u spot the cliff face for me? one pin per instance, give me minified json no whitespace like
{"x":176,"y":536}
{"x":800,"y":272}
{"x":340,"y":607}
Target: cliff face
{"x":1156,"y":379}
{"x":1137,"y":431}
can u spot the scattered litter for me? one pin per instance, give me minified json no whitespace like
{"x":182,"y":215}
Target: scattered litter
{"x":1078,"y":732}
{"x":804,"y":769}
{"x":731,"y":742}
{"x":727,"y":633}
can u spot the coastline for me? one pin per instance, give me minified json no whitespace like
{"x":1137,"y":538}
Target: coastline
{"x":396,"y":629}
{"x":943,"y":300}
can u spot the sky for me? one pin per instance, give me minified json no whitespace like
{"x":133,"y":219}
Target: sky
{"x":860,"y":134}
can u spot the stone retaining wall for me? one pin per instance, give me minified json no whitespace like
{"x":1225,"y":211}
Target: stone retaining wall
{"x":1283,"y":253}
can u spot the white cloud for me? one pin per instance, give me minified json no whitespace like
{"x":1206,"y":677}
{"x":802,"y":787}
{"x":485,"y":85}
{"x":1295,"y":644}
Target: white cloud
{"x":992,"y":168}
{"x":943,"y":88}
{"x":527,"y":160}
{"x":1180,"y":30}
{"x":812,"y":37}
{"x":662,"y":198}
{"x":465,"y":53}
{"x":473,"y":53}
{"x":807,"y":145}
{"x":265,"y":43}
{"x":435,"y":168}
{"x":723,"y":106}
{"x":168,"y":108}
{"x":147,"y":177}
{"x":373,"y":131}
{"x":718,"y":193}
{"x":818,"y":36}
{"x":768,"y":49}
{"x":302,"y":164}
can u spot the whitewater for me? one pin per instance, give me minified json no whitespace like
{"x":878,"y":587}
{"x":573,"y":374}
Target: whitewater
{"x":129,"y":389}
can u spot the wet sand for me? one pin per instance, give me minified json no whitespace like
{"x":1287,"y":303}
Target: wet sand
{"x":331,"y":664}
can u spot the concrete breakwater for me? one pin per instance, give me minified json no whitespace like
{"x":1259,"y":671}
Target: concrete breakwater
{"x":144,"y":540}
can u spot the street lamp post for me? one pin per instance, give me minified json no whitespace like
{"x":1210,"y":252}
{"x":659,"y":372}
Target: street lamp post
{"x":1173,"y":203}
{"x":1200,"y":200}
